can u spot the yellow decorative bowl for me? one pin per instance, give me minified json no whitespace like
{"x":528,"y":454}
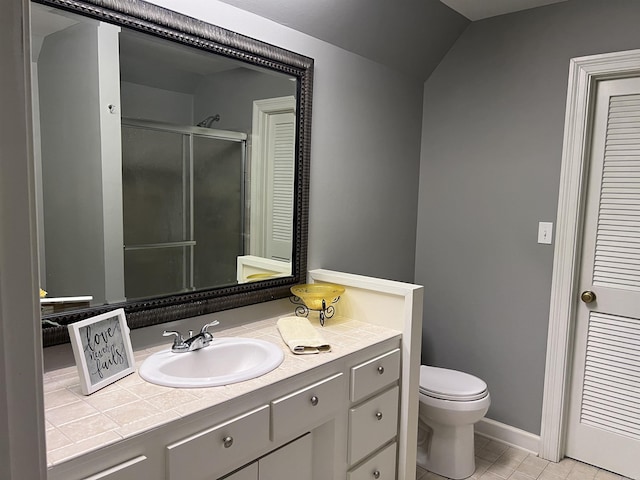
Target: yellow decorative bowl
{"x":312,"y":294}
{"x":260,"y":276}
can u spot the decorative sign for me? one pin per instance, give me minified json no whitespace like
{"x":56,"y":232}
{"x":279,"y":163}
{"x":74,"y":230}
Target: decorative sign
{"x":102,"y":349}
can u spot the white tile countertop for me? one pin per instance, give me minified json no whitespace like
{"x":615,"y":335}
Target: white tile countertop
{"x":77,"y":424}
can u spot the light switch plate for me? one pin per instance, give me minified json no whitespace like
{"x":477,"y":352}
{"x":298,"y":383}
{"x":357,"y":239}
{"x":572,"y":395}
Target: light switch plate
{"x":545,"y":232}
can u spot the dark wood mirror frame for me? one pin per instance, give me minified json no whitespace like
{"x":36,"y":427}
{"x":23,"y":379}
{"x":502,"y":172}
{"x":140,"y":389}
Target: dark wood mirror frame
{"x":154,"y":20}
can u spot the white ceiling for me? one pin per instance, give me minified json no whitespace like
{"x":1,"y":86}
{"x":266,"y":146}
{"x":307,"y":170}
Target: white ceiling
{"x":479,"y":9}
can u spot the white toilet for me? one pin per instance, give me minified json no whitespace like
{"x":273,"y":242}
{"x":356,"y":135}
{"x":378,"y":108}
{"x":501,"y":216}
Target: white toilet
{"x":451,"y":402}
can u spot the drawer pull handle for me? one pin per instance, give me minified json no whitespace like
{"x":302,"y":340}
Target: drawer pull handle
{"x":379,"y":415}
{"x":376,"y":474}
{"x":314,"y":400}
{"x":380,"y":369}
{"x":227,"y":442}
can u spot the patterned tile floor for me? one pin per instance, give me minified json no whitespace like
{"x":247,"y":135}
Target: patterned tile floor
{"x":498,"y":461}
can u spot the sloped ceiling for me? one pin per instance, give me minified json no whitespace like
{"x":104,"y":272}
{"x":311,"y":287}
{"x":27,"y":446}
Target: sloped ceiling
{"x":479,"y":9}
{"x":411,"y":36}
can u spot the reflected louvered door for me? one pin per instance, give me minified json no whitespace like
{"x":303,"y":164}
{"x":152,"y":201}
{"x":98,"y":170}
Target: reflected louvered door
{"x":603,"y":425}
{"x":281,"y":171}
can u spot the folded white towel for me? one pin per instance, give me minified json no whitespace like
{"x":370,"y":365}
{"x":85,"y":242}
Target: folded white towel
{"x":301,"y":336}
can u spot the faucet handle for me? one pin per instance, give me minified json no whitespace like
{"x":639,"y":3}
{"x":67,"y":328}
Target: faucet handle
{"x":208,"y":325}
{"x":178,"y":341}
{"x":168,"y":333}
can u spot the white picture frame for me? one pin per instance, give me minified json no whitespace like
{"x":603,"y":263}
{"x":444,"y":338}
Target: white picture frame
{"x":102,"y":350}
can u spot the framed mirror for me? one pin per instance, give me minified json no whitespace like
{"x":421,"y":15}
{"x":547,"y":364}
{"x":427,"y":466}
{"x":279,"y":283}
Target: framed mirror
{"x":172,"y":164}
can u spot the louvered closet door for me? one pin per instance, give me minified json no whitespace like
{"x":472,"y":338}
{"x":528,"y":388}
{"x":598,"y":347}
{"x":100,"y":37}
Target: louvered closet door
{"x":281,"y":171}
{"x":604,"y":411}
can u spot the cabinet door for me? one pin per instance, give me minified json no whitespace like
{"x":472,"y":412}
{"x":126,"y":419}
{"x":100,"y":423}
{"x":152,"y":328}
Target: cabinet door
{"x":250,"y":472}
{"x":293,"y":461}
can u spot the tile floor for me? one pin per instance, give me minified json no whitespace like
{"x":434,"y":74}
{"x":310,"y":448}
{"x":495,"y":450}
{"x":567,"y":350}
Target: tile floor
{"x":498,"y":461}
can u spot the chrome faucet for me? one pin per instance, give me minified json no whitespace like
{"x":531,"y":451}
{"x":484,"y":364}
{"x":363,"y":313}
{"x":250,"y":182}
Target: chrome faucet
{"x":194,"y":342}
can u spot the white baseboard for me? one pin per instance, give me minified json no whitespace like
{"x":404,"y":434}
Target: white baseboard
{"x":507,"y":434}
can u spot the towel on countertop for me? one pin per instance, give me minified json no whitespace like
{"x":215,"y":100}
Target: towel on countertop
{"x":301,"y":336}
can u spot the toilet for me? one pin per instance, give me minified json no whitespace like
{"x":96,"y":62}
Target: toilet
{"x":451,"y":402}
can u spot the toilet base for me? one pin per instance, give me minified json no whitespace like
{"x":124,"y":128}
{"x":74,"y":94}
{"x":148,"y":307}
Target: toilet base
{"x":446,"y":450}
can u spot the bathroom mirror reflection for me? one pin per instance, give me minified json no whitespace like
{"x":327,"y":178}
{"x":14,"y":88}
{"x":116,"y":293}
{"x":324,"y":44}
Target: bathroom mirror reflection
{"x":165,"y":173}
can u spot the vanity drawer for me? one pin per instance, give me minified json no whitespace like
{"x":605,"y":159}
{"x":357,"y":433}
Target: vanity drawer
{"x":382,"y":466}
{"x":374,"y":375}
{"x":304,"y":409}
{"x":217,"y":450}
{"x":134,"y":468}
{"x":372,"y":424}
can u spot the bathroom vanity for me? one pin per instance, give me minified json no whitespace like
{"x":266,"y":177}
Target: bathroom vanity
{"x":343,"y":414}
{"x":333,"y":411}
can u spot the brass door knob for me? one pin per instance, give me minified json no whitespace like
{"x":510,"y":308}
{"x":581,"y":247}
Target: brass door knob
{"x":588,"y":296}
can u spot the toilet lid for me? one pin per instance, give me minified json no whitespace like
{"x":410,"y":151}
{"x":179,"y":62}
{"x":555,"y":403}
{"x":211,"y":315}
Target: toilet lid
{"x":451,"y":384}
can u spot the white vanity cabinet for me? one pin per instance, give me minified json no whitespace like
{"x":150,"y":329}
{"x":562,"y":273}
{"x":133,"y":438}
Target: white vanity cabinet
{"x":333,"y":421}
{"x":373,"y":417}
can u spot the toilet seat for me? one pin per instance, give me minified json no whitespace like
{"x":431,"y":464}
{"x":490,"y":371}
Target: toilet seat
{"x":453,"y":385}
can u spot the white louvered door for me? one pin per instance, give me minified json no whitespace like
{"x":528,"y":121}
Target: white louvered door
{"x":272,"y":172}
{"x":280,"y":172}
{"x":603,"y":425}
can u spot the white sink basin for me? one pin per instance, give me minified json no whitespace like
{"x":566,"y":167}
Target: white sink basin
{"x":224,"y":361}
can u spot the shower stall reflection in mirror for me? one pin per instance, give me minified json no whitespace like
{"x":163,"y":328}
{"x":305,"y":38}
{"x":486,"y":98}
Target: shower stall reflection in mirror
{"x":183,"y":207}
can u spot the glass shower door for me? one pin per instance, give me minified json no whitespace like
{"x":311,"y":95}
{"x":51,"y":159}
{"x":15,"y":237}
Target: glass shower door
{"x":183,"y":199}
{"x":157,"y":212}
{"x":218,"y":166}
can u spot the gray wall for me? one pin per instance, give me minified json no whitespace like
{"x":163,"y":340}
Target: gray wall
{"x":490,"y":164}
{"x":231,"y":94}
{"x":72,"y":163}
{"x":364,"y":168}
{"x":149,"y":103}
